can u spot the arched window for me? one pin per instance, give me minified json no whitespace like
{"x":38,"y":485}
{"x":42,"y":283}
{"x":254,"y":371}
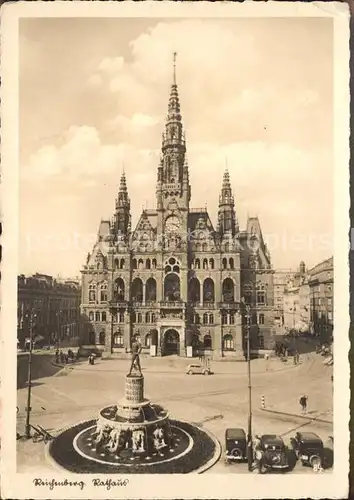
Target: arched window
{"x":197,"y":319}
{"x":148,"y":264}
{"x":228,"y":290}
{"x":207,"y":342}
{"x":118,"y":340}
{"x":261,"y":319}
{"x":224,"y":263}
{"x":150,"y":290}
{"x":153,"y":264}
{"x":148,"y":340}
{"x":232,"y":319}
{"x":122,"y":263}
{"x":205,"y":263}
{"x":211,"y":263}
{"x":92,"y":292}
{"x":211,"y":319}
{"x":224,"y":319}
{"x":228,"y":343}
{"x":137,"y":290}
{"x":198,"y":247}
{"x":197,"y":264}
{"x":102,"y":338}
{"x":208,"y":290}
{"x":205,"y":319}
{"x":147,"y":317}
{"x":261,"y":294}
{"x":119,"y":290}
{"x":172,"y":287}
{"x":140,"y":318}
{"x":121,"y":317}
{"x":135,"y":264}
{"x":98,"y":316}
{"x":133,"y":317}
{"x":247,"y":293}
{"x":140,"y":264}
{"x":103,"y":292}
{"x":91,"y":316}
{"x":153,"y":318}
{"x":194,"y":290}
{"x":231,"y":262}
{"x":116,"y":264}
{"x":104,"y":316}
{"x":205,"y":247}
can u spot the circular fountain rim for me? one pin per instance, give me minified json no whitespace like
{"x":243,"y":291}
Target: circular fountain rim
{"x":88,"y":457}
{"x":199,"y":470}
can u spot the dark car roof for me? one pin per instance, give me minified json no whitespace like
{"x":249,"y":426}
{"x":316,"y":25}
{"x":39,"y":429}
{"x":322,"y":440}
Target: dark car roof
{"x":271,"y":439}
{"x":309,"y":436}
{"x":235,"y":434}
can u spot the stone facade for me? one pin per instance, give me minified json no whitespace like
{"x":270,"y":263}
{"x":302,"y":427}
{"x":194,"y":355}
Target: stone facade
{"x":320,"y":283}
{"x":57,"y":308}
{"x":175,"y":280}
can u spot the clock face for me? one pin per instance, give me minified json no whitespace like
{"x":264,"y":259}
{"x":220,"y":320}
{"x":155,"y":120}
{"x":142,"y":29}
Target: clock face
{"x":172,"y":224}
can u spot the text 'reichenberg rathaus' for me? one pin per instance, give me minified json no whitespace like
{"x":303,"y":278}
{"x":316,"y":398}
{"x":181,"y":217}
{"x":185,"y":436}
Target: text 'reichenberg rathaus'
{"x":177,"y":282}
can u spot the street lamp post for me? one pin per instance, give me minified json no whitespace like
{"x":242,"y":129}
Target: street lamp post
{"x":32,"y":315}
{"x":249,"y":431}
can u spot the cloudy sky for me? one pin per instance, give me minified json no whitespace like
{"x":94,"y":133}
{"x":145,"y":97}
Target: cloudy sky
{"x":256,"y":94}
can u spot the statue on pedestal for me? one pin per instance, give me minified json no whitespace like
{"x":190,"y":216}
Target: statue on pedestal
{"x":135,"y":363}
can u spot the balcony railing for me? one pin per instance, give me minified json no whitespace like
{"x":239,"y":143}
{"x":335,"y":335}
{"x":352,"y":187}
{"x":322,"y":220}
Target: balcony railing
{"x":119,"y":304}
{"x":172,"y":304}
{"x":228,"y":305}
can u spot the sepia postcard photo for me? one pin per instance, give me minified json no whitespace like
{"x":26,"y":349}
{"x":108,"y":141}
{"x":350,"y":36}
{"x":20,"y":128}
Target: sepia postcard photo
{"x":175,"y":284}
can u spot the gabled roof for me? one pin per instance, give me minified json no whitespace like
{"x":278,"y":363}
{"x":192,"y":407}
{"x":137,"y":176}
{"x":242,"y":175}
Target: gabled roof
{"x":199,"y":215}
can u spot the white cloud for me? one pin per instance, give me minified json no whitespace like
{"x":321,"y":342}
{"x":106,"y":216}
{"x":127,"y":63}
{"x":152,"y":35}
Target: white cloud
{"x":81,"y":155}
{"x":111,"y":65}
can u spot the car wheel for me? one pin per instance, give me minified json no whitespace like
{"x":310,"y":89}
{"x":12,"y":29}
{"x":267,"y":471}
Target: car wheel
{"x":190,"y":372}
{"x":206,"y":372}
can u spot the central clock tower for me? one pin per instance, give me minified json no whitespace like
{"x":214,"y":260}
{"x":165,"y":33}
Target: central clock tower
{"x":173,"y":190}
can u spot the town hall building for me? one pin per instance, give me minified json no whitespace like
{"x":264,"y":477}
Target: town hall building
{"x":176,"y":281}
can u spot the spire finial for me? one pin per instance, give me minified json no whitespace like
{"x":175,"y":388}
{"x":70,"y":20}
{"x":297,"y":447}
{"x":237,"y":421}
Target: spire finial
{"x":174,"y":67}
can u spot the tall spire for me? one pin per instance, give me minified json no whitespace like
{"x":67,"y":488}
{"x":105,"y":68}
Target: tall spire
{"x":172,"y":174}
{"x":226,"y":197}
{"x":122,"y":217}
{"x":226,"y":216}
{"x":123,"y":199}
{"x":174,"y":68}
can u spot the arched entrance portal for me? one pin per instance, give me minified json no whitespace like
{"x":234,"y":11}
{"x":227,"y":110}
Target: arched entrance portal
{"x":171,"y":343}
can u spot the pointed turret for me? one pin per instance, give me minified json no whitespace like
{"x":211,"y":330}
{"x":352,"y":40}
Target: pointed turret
{"x":173,"y":171}
{"x":122,"y":215}
{"x":227,"y":223}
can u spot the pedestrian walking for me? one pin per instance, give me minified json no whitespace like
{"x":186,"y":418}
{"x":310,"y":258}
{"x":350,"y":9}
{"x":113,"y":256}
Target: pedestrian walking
{"x":257,"y":455}
{"x":303,"y":404}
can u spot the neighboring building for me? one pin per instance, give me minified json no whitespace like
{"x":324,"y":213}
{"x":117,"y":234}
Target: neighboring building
{"x":291,"y":307}
{"x":176,"y":281}
{"x":321,"y":299}
{"x":57,"y":307}
{"x":281,"y":280}
{"x":304,"y":304}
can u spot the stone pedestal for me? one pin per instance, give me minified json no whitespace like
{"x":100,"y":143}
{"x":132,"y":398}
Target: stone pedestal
{"x":134,"y":389}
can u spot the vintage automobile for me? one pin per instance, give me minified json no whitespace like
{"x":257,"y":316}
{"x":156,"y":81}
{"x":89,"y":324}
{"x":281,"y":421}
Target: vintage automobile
{"x":196,"y":368}
{"x":308,"y":447}
{"x":235,"y":445}
{"x":274,"y":452}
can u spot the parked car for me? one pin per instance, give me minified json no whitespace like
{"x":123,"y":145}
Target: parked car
{"x":195,"y":369}
{"x":235,"y":445}
{"x":309,"y":448}
{"x":274,"y":450}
